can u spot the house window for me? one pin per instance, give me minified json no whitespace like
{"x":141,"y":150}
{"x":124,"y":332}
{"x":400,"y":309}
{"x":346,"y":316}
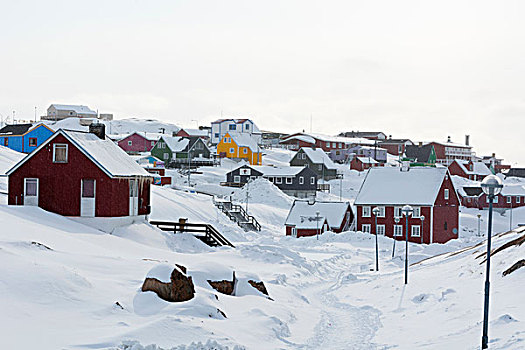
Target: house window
{"x":509,"y":199}
{"x":198,"y":145}
{"x":166,"y":156}
{"x":365,"y":228}
{"x":31,"y":187}
{"x":233,"y":127}
{"x":381,"y":212}
{"x":232,"y":150}
{"x":312,"y":180}
{"x":381,"y":230}
{"x":6,"y":141}
{"x":446,"y":193}
{"x":366,"y":212}
{"x":398,"y":230}
{"x":278,"y":180}
{"x":518,"y":199}
{"x":417,"y":212}
{"x":397,"y":212}
{"x":446,"y":226}
{"x":217,"y":135}
{"x":289,"y":180}
{"x":328,"y":144}
{"x":245,"y":150}
{"x":130,"y":143}
{"x":247,"y":127}
{"x":294,"y":232}
{"x":415,"y":231}
{"x":32,"y":142}
{"x":88,"y":188}
{"x":334,"y":145}
{"x":59,"y":153}
{"x":270,"y":179}
{"x":320,"y":167}
{"x":495,"y":199}
{"x":301,"y":180}
{"x":153,"y":143}
{"x":237,"y":179}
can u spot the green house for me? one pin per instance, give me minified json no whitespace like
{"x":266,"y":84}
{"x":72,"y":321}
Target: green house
{"x":178,"y":149}
{"x":420,"y":155}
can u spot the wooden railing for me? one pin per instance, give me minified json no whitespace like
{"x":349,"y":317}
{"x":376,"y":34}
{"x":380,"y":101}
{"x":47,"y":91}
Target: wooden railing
{"x":229,"y":209}
{"x":211,"y":236}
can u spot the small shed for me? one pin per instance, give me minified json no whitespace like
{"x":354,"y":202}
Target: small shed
{"x":363,"y":163}
{"x":308,"y":218}
{"x":77,"y":173}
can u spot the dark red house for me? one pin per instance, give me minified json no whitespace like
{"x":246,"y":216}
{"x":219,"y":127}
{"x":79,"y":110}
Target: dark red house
{"x":429,"y":190}
{"x":308,"y":218}
{"x":203,"y":134}
{"x":139,"y":142}
{"x":468,"y":169}
{"x":77,"y":173}
{"x":511,"y":196}
{"x":363,"y":163}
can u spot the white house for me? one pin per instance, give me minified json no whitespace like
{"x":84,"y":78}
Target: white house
{"x":220,"y":127}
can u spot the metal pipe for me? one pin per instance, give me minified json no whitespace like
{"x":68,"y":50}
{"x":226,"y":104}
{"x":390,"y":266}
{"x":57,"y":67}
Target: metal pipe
{"x":485,"y":337}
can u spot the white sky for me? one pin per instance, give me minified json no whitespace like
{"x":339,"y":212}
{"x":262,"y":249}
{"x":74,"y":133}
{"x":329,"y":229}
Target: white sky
{"x":417,"y":69}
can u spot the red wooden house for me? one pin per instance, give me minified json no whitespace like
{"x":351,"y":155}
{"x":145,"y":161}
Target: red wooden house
{"x":468,"y":169}
{"x":76,"y":173}
{"x":511,"y":196}
{"x":326,"y":143}
{"x":139,"y":142}
{"x":428,"y":190}
{"x":203,"y":134}
{"x":363,"y":163}
{"x":309,"y":218}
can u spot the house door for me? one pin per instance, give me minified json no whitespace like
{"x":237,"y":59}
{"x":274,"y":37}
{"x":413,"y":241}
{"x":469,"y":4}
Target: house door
{"x":87,"y":197}
{"x":133,"y":197}
{"x":294,"y":232}
{"x":31,"y":192}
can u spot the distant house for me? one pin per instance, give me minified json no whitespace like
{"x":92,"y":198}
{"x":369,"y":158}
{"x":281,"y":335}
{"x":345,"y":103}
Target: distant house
{"x":515,"y":172}
{"x":294,"y":181}
{"x":331,"y":144}
{"x":363,"y":163}
{"x":447,"y":152}
{"x":377,"y":153}
{"x":317,"y":160}
{"x":221,"y":127}
{"x":371,"y":135}
{"x":154,"y":166}
{"x":139,"y":142}
{"x":177,"y":151}
{"x":420,"y":155}
{"x":430,"y":192}
{"x":240,"y":146}
{"x":59,"y":112}
{"x":395,"y":147}
{"x":469,"y":196}
{"x":24,"y":138}
{"x":494,"y":164}
{"x":76,"y":173}
{"x":511,"y":196}
{"x":202,"y":133}
{"x":310,"y":218}
{"x":476,"y":171}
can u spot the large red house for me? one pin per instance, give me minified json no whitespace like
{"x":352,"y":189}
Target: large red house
{"x":76,"y":173}
{"x":139,"y":142}
{"x":310,"y":218}
{"x":430,"y":192}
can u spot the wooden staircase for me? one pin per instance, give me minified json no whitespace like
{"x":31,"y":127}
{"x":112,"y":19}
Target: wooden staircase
{"x":237,"y":214}
{"x":205,"y":232}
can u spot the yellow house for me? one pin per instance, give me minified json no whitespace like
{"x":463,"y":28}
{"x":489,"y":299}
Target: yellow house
{"x":237,"y":146}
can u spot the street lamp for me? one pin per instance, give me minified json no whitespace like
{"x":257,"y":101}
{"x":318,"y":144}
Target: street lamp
{"x":491,"y":186}
{"x":407,"y":211}
{"x":479,"y":224}
{"x":376,"y":212}
{"x":422,"y":217}
{"x":396,"y":219}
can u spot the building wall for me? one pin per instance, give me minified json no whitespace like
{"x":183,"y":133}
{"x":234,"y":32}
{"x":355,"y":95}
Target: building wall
{"x":304,"y":232}
{"x":502,"y":202}
{"x":60,"y":184}
{"x":446,"y":211}
{"x":396,"y":149}
{"x":232,"y":151}
{"x":138,"y":144}
{"x":20,"y":143}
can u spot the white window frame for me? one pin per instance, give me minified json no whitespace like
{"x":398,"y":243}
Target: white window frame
{"x":381,"y":230}
{"x":417,"y":212}
{"x":398,"y":230}
{"x":301,"y":180}
{"x":366,"y":228}
{"x":289,"y":180}
{"x":445,"y":193}
{"x":312,"y":180}
{"x":54,"y":152}
{"x":237,"y":178}
{"x":294,"y":231}
{"x":366,"y":211}
{"x":381,"y":212}
{"x":398,"y":210}
{"x":232,"y":150}
{"x":495,"y":199}
{"x":518,"y":199}
{"x":320,"y":167}
{"x":415,"y":231}
{"x":166,"y":156}
{"x":509,"y":199}
{"x":278,"y":180}
{"x":130,"y":143}
{"x":245,"y":150}
{"x":328,"y":144}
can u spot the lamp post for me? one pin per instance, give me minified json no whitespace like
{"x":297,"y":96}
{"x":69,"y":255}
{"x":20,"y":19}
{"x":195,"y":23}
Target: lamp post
{"x":422,"y":217}
{"x":479,"y":224}
{"x":491,"y":186}
{"x":407,"y":211}
{"x":317,"y":223}
{"x":376,"y":212}
{"x":396,"y":219}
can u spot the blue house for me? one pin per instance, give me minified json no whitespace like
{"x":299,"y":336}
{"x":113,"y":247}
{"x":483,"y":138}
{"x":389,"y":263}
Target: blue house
{"x":24,"y":137}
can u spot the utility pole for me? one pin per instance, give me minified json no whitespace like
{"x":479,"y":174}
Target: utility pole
{"x":247,"y":194}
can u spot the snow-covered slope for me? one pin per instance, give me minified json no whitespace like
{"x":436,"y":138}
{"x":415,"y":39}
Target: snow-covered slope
{"x":118,"y":126}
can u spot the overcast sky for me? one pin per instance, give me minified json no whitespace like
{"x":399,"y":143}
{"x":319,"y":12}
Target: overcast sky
{"x":417,"y":69}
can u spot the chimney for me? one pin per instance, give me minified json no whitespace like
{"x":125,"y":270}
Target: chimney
{"x":420,"y":144}
{"x":448,"y":139}
{"x":493,"y":155}
{"x":467,"y":139}
{"x":98,"y":129}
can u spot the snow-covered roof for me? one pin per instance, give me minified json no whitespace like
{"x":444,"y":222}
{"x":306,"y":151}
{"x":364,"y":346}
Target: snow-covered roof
{"x":311,"y":137}
{"x":244,"y":140}
{"x":176,"y":143}
{"x":367,"y":160}
{"x":303,"y":138}
{"x":391,"y":186}
{"x":478,"y":168}
{"x":79,"y":109}
{"x":196,"y":132}
{"x":278,"y":171}
{"x":151,"y":136}
{"x":302,"y":215}
{"x":318,"y":156}
{"x":448,"y":144}
{"x":104,"y":153}
{"x":516,"y":190}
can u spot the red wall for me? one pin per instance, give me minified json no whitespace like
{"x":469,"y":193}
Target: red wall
{"x":138,"y":143}
{"x":59,"y":184}
{"x":502,"y":202}
{"x":393,"y":149}
{"x":446,"y":211}
{"x":304,"y":232}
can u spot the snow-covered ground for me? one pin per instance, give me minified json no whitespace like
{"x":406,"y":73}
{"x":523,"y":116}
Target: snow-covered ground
{"x":61,"y":279}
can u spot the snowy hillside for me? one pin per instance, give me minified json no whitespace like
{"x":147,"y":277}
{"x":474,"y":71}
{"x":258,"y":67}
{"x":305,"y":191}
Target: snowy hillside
{"x":118,"y":126}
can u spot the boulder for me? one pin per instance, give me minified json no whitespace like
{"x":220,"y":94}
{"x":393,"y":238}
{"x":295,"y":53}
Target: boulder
{"x":180,"y":288}
{"x":224,"y":286}
{"x":259,"y":286}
